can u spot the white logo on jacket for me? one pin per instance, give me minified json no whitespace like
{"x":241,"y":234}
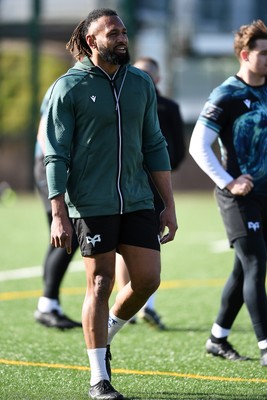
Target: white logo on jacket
{"x":93,"y":240}
{"x":93,"y":98}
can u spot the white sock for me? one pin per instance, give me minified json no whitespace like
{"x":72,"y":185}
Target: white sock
{"x":150,"y":302}
{"x":46,"y":305}
{"x":262,"y":344}
{"x":219,"y":332}
{"x":97,"y":365}
{"x":114,"y":325}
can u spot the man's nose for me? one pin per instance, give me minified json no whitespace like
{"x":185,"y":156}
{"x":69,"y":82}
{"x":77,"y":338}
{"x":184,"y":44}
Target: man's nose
{"x":123,"y":38}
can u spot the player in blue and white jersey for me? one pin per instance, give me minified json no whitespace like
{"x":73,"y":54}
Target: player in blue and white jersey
{"x":236,"y":115}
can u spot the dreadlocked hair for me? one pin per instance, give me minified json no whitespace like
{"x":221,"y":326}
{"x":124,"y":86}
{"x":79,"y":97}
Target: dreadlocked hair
{"x":77,"y":43}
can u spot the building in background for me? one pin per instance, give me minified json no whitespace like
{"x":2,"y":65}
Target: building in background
{"x":191,"y":39}
{"x":202,"y":46}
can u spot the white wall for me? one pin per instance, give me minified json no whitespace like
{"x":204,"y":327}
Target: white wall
{"x":52,"y":10}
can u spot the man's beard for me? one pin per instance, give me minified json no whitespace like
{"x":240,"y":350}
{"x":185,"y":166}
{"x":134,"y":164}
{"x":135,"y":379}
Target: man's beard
{"x":112,"y":58}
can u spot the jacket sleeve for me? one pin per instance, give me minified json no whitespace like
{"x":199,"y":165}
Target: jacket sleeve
{"x":59,"y":132}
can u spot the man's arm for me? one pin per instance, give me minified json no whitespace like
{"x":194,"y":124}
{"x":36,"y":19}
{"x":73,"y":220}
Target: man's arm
{"x":201,"y":150}
{"x":162,"y":181}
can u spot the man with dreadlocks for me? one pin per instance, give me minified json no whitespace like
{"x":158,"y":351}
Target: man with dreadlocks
{"x":102,"y":128}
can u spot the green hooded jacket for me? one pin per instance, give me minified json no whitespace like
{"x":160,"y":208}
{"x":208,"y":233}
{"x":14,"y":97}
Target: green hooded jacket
{"x":101,"y":131}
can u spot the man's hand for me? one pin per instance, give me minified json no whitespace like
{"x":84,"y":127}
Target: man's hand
{"x":241,"y":186}
{"x":162,"y":181}
{"x":168,"y":219}
{"x":61,"y":228}
{"x":61,"y":233}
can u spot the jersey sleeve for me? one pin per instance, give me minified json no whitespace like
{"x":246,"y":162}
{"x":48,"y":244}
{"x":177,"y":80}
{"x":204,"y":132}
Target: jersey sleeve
{"x":209,"y":127}
{"x":201,"y":150}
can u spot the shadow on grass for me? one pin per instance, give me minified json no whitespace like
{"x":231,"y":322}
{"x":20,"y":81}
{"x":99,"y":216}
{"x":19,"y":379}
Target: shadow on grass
{"x":200,"y":329}
{"x":195,"y":396}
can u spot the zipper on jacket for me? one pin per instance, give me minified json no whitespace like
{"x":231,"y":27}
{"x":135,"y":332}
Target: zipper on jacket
{"x":117,"y":109}
{"x":119,"y":149}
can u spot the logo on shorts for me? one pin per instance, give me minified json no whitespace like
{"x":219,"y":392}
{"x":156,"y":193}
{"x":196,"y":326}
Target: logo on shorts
{"x":253,"y":225}
{"x":93,"y":240}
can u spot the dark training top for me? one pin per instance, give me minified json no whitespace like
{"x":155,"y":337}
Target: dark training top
{"x":237,"y":112}
{"x":171,"y":125}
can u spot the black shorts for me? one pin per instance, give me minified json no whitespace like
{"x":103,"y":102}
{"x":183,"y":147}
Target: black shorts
{"x":105,"y":233}
{"x":242,"y":215}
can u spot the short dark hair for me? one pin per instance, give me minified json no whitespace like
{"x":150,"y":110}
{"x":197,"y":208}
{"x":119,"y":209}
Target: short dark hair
{"x":245,"y":38}
{"x":77,"y":42}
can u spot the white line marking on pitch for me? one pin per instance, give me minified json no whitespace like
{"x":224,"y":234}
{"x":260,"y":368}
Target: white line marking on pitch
{"x":32,"y":272}
{"x":218,"y":246}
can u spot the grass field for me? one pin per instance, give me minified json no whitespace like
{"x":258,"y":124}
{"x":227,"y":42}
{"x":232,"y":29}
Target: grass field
{"x":37,"y":363}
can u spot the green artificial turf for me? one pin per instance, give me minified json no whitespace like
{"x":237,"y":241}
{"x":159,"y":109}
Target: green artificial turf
{"x":38,"y":363}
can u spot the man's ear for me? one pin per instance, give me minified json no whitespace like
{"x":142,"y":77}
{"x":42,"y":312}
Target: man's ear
{"x":244,"y":55}
{"x":91,"y":41}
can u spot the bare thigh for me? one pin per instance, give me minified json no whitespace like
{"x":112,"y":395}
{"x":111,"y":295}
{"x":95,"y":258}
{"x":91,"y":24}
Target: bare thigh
{"x":143,"y":265}
{"x":100,"y":268}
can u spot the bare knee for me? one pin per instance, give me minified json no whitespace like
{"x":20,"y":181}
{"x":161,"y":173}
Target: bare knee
{"x":100,"y":288}
{"x":146,"y":287}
